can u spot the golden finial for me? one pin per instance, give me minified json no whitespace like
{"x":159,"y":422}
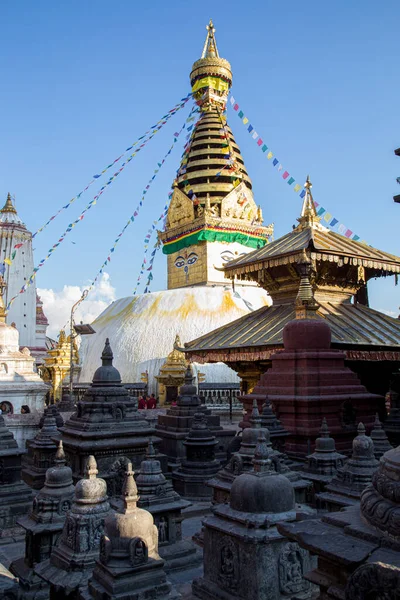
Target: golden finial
{"x":308,"y":214}
{"x":8,"y":207}
{"x":210,"y":45}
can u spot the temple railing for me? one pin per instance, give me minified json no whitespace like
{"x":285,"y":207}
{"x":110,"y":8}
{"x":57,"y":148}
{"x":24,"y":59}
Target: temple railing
{"x":134,"y":389}
{"x":221,"y":397}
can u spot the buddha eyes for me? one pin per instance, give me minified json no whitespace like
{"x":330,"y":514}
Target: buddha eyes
{"x":227,"y":255}
{"x":179,"y":262}
{"x":192,"y":258}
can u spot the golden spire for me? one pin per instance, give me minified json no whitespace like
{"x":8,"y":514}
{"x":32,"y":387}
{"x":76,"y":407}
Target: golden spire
{"x":309,"y":214}
{"x":210,"y":49}
{"x":8,"y":207}
{"x":305,"y":304}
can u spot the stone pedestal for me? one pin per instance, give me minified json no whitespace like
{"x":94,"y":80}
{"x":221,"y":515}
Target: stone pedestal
{"x":40,"y":454}
{"x":346,"y":487}
{"x":200,"y":463}
{"x":43,"y":526}
{"x":15,"y":495}
{"x":244,"y":555}
{"x":358,"y":549}
{"x":309,"y":380}
{"x":129,"y":566}
{"x":73,"y":559}
{"x":173,"y":427}
{"x":379,"y":438}
{"x":323,"y":464}
{"x":107,"y":422}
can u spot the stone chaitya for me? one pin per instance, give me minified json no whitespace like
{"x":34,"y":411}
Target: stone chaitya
{"x":173,"y":427}
{"x":157,"y":495}
{"x":379,"y":438}
{"x":107,"y":419}
{"x":15,"y":495}
{"x":277,"y":432}
{"x":242,"y":462}
{"x":72,"y":560}
{"x":323,"y":464}
{"x":52,"y":410}
{"x":346,"y":487}
{"x":244,"y":555}
{"x":129,"y":567}
{"x":43,"y":526}
{"x":200,"y":463}
{"x":40,"y":455}
{"x":358,"y":548}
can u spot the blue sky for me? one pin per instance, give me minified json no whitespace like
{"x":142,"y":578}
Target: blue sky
{"x":83,"y":79}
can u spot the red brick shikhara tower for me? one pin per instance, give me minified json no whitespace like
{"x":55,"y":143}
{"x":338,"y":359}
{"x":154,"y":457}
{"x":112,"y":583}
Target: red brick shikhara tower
{"x":308,"y":380}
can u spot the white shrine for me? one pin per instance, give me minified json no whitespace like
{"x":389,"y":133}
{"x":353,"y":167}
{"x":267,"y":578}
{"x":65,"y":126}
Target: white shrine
{"x":16,"y":264}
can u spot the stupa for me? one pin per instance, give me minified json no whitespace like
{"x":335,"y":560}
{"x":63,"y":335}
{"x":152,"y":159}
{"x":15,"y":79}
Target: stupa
{"x":20,"y":385}
{"x":129,"y":566}
{"x":43,"y":526}
{"x":16,"y":260}
{"x":173,"y":427}
{"x":358,"y":548}
{"x":323,"y":464}
{"x":40,"y":455}
{"x":52,"y":411}
{"x":108,"y":421}
{"x":15,"y":495}
{"x":379,"y":438}
{"x":346,"y":487}
{"x":200,"y":463}
{"x":73,"y":558}
{"x":244,"y":555}
{"x":212,"y":218}
{"x":157,"y":495}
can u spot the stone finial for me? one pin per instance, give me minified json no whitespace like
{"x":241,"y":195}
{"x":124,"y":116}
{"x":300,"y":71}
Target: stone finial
{"x":151,"y":453}
{"x":91,"y":468}
{"x":255,"y":419}
{"x":189,"y":375}
{"x":361,"y":429}
{"x":107,"y":355}
{"x":261,"y":461}
{"x":129,"y":489}
{"x":324,"y":431}
{"x":379,"y":438}
{"x":59,"y":458}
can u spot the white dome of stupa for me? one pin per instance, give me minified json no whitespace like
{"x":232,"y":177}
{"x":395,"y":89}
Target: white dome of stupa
{"x":142,"y":329}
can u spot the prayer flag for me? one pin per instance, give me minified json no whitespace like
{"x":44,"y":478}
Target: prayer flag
{"x":264,"y":148}
{"x":275,"y":162}
{"x":255,"y":135}
{"x":291,"y":180}
{"x":250,"y":128}
{"x":327,"y":217}
{"x":269,"y":155}
{"x":333,"y":222}
{"x":285,"y":175}
{"x":348,"y":233}
{"x":232,"y":100}
{"x":241,"y":114}
{"x":236,"y":107}
{"x":303,"y":193}
{"x":7,"y":261}
{"x":259,"y":142}
{"x":321,"y":211}
{"x":245,"y":121}
{"x":297,"y":187}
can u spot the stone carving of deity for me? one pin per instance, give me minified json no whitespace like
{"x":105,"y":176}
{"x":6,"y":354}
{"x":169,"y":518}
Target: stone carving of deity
{"x":163,"y":530}
{"x":291,"y":562}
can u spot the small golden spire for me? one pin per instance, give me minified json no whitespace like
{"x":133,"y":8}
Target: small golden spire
{"x":8,"y":207}
{"x":210,"y":45}
{"x":308,"y":214}
{"x":305,"y":304}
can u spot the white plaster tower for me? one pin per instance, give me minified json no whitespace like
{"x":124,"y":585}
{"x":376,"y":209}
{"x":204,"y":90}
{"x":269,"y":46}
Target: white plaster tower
{"x":18,"y":266}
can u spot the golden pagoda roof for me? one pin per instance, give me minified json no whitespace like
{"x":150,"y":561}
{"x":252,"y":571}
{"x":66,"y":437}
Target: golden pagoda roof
{"x":352,"y":326}
{"x":319,"y":242}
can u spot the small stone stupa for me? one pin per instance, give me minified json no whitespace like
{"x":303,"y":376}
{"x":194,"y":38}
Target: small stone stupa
{"x":200,"y":463}
{"x":129,"y":565}
{"x":43,"y":526}
{"x":174,"y":426}
{"x":379,"y":437}
{"x":244,"y":555}
{"x":323,"y":464}
{"x":358,"y":548}
{"x":15,"y":495}
{"x":346,"y":487}
{"x":157,"y":495}
{"x":72,"y":560}
{"x":41,"y":453}
{"x":52,"y":411}
{"x":107,"y":419}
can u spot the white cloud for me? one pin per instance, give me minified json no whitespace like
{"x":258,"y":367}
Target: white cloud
{"x":57,"y":305}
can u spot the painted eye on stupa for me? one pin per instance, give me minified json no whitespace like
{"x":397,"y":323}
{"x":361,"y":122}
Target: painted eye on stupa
{"x":227,"y":256}
{"x":192,"y":258}
{"x":179,"y":262}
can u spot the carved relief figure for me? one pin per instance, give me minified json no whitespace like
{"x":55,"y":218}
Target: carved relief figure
{"x":163,"y":530}
{"x":291,"y":562}
{"x":138,"y":551}
{"x":229,"y":565}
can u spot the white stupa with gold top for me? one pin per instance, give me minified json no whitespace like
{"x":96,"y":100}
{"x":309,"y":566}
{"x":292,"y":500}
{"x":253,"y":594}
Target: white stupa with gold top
{"x":212,"y":219}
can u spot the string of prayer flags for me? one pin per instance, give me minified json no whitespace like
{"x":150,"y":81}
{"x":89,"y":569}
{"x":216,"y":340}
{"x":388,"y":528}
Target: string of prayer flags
{"x":264,"y":147}
{"x":152,"y":131}
{"x":137,"y":210}
{"x":286,"y":176}
{"x":93,"y":203}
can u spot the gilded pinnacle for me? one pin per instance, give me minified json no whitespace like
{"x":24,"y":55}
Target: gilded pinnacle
{"x":8,"y":207}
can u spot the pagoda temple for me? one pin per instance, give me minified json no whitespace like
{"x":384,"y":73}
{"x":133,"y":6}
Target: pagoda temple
{"x":212,"y":218}
{"x":339,"y":269}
